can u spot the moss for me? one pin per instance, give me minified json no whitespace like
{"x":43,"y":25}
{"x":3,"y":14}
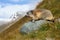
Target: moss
{"x":44,"y":27}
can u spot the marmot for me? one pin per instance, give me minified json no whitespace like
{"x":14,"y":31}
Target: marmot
{"x":40,"y":14}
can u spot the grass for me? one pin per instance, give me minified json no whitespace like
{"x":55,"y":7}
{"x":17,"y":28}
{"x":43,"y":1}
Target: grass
{"x":47,"y":31}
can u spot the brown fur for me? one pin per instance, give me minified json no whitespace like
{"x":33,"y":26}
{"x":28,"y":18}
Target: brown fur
{"x":41,"y":14}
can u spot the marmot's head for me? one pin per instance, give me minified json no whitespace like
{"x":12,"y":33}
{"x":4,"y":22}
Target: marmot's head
{"x":30,"y":14}
{"x":34,"y":14}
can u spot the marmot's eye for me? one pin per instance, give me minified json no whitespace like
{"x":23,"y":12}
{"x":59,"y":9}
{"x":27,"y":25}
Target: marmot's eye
{"x":28,"y":12}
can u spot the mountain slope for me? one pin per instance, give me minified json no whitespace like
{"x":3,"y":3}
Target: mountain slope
{"x":46,"y":30}
{"x":15,"y":26}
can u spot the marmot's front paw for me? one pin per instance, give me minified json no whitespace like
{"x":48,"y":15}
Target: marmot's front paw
{"x":32,"y":21}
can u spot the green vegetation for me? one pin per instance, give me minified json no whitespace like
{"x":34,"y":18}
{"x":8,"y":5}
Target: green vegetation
{"x":49,"y":30}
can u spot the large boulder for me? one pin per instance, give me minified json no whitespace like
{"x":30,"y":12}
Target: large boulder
{"x":30,"y":26}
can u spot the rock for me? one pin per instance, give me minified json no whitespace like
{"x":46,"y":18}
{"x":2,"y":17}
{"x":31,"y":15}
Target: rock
{"x":30,"y":26}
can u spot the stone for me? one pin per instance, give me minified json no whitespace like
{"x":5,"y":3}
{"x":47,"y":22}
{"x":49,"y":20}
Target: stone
{"x":31,"y":26}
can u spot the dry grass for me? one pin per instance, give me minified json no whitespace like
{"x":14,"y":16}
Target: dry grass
{"x":12,"y":31}
{"x":47,"y":31}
